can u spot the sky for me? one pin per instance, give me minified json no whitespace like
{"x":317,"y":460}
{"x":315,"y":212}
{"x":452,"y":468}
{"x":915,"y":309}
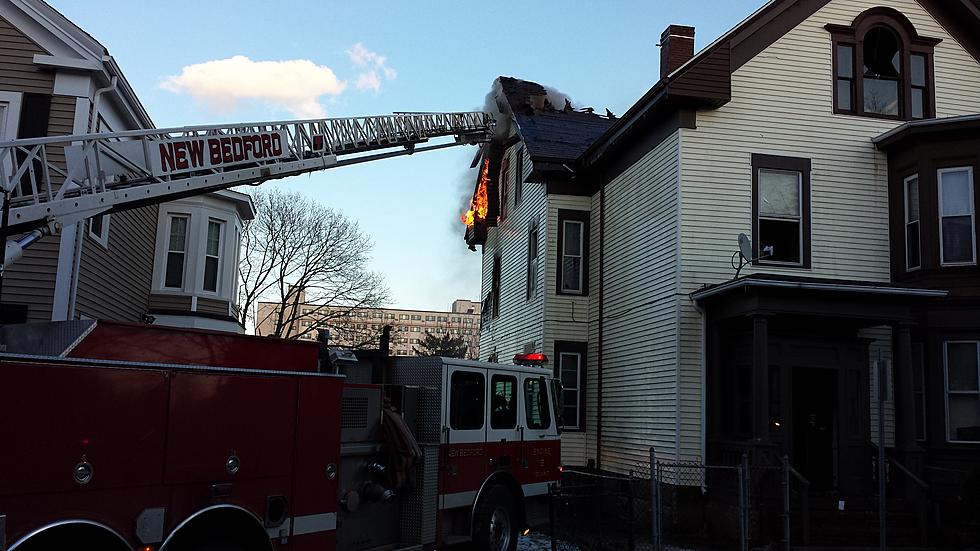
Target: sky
{"x":204,"y":62}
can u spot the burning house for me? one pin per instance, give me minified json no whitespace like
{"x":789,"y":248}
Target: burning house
{"x":607,"y":246}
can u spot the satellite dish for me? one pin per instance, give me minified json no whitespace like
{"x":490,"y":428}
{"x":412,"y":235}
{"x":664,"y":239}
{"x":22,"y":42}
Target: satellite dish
{"x":745,"y":246}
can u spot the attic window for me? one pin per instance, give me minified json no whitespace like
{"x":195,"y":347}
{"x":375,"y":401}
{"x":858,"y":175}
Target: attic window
{"x":882,"y":67}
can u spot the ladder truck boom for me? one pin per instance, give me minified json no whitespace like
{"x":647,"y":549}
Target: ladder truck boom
{"x":51,"y":182}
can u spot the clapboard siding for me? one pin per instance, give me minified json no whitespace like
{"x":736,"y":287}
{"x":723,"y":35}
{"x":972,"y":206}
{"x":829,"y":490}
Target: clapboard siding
{"x":639,"y":309}
{"x":114,"y":283}
{"x":31,"y":279}
{"x":782,"y":104}
{"x":17,"y":70}
{"x":521,"y":320}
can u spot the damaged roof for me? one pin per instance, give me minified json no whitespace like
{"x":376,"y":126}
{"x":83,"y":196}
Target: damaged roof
{"x":550,"y":132}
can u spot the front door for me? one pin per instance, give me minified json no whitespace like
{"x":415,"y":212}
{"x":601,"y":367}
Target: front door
{"x":815,"y":425}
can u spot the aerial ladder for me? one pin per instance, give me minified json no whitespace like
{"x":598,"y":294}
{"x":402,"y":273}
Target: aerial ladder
{"x":53,"y":182}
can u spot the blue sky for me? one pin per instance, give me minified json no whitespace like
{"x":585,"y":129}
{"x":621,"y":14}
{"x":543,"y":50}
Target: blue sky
{"x":440,"y":55}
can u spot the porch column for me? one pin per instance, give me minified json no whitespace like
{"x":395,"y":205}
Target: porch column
{"x":903,"y":389}
{"x":760,"y":378}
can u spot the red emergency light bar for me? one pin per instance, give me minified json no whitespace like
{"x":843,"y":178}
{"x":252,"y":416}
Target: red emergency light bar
{"x":534,"y":358}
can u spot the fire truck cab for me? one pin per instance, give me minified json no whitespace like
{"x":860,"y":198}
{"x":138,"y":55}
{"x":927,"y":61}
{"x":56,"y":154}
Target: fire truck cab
{"x":125,"y":437}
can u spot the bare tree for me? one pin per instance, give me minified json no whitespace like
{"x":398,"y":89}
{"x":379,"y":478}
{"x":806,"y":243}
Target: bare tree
{"x":304,"y":268}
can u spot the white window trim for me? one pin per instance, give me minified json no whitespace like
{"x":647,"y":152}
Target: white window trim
{"x":905,"y":199}
{"x":222,"y":232}
{"x":581,"y":256}
{"x":578,"y":389}
{"x":946,"y":391}
{"x":167,"y":251}
{"x":103,"y":238}
{"x":798,"y":218}
{"x":973,"y":216}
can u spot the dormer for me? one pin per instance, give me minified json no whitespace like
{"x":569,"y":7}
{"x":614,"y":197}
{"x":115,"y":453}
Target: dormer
{"x":195,"y":265}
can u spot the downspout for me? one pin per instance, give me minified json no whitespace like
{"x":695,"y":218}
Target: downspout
{"x":602,"y":247}
{"x":80,"y":226}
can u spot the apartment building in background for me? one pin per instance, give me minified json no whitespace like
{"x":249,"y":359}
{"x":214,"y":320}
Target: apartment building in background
{"x":361,"y":327}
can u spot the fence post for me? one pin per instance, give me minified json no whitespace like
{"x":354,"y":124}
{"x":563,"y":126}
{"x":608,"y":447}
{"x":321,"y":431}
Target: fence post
{"x":786,"y":503}
{"x":743,"y":502}
{"x":552,"y":497}
{"x":654,"y":500}
{"x":629,"y":511}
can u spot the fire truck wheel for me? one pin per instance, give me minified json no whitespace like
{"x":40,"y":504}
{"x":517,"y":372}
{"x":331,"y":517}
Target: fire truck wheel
{"x":495,"y":521}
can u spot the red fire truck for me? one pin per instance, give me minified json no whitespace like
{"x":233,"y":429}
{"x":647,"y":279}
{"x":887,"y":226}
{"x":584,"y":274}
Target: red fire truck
{"x":125,"y":437}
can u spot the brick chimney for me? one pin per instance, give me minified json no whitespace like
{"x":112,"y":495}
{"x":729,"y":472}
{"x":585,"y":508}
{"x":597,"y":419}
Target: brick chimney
{"x":676,"y":48}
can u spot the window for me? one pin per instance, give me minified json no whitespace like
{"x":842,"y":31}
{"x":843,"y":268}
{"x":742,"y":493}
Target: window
{"x":212,"y":256}
{"x":781,"y":209}
{"x":845,"y":77}
{"x":467,"y":321}
{"x":176,"y":251}
{"x":956,"y":227}
{"x":503,"y":402}
{"x":913,"y":254}
{"x":882,"y":72}
{"x":430,"y":318}
{"x":98,"y":229}
{"x":504,"y":183}
{"x":403,"y":316}
{"x":415,"y":329}
{"x":536,"y":403}
{"x":416,"y":317}
{"x":495,"y":287}
{"x":570,"y":371}
{"x":443,"y":319}
{"x":377,"y":315}
{"x":962,"y":391}
{"x":918,"y":390}
{"x":573,"y":242}
{"x":389,"y":316}
{"x":466,"y":400}
{"x":532,"y":262}
{"x":882,"y":67}
{"x":519,"y":177}
{"x":455,"y":320}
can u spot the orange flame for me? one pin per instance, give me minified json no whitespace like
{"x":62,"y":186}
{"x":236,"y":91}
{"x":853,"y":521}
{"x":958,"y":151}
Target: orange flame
{"x":478,"y":205}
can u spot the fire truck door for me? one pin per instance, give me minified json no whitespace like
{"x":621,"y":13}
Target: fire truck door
{"x":541,"y":446}
{"x":464,"y":435}
{"x":503,"y":430}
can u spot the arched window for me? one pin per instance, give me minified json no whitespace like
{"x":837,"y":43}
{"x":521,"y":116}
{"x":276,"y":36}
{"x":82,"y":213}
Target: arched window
{"x":882,"y":67}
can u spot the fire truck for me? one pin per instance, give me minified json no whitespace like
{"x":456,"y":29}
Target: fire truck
{"x":125,"y":437}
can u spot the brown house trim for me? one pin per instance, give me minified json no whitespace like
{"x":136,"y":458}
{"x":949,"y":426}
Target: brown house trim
{"x":776,"y":162}
{"x":580,"y":348}
{"x":911,"y":43}
{"x":580,"y":216}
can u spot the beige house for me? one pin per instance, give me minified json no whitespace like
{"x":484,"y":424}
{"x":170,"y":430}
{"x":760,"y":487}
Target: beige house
{"x":56,"y":79}
{"x":361,"y":327}
{"x":813,"y":127}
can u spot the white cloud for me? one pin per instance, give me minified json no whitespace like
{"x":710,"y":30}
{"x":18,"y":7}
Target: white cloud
{"x":373,"y":66}
{"x":294,"y":85}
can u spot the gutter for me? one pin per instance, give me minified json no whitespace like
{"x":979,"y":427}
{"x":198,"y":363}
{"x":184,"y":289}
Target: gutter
{"x":836,"y":287}
{"x":882,"y":140}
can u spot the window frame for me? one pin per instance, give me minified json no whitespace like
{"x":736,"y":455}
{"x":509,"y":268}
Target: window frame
{"x":910,"y":43}
{"x":515,"y":405}
{"x":973,"y":215}
{"x":219,"y":258}
{"x":167,"y":251}
{"x":533,"y":245}
{"x":102,"y":237}
{"x":780,"y":163}
{"x":905,"y":200}
{"x":519,"y":176}
{"x":546,"y":417}
{"x":946,"y":391}
{"x":580,"y":216}
{"x":579,"y":349}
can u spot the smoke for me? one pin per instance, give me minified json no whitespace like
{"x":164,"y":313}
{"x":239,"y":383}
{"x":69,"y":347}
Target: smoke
{"x":557,"y":98}
{"x":496,"y":104}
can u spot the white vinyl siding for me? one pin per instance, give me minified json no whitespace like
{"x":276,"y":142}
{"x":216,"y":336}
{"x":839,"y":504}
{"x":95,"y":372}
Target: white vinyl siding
{"x":640,"y":313}
{"x":782,"y":104}
{"x":521,"y":319}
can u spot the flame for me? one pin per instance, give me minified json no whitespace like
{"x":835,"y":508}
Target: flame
{"x":478,"y":205}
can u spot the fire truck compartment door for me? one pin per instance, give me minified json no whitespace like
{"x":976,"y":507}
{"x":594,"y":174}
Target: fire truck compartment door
{"x":214,"y":417}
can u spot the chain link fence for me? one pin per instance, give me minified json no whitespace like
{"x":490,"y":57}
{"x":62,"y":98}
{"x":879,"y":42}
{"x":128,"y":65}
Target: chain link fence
{"x":672,"y":505}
